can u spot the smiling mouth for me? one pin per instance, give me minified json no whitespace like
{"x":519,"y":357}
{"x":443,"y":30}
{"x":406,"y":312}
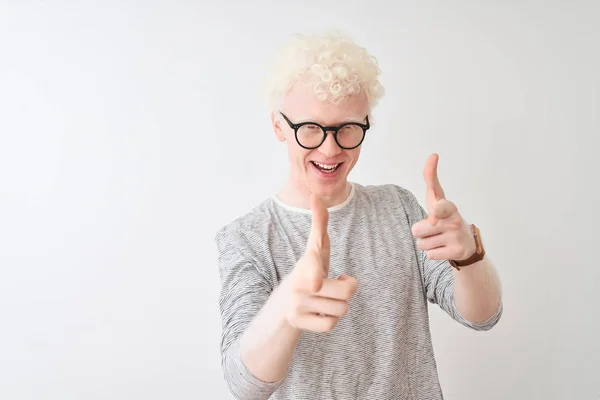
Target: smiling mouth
{"x":326,"y":168}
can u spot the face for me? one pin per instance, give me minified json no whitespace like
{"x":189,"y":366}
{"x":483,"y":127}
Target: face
{"x":310,"y":170}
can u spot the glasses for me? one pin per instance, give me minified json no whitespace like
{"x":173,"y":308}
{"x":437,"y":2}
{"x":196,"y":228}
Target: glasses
{"x":311,"y":135}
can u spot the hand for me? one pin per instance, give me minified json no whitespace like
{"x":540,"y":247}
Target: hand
{"x":313,"y":301}
{"x":444,"y":235}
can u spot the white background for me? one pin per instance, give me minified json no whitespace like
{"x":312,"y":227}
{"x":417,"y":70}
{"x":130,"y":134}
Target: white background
{"x":131,"y":131}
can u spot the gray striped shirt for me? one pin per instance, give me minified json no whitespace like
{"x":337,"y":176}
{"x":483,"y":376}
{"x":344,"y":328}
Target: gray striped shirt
{"x":382,"y":348}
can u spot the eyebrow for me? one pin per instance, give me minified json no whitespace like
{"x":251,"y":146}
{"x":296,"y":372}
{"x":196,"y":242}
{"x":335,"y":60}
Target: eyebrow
{"x":347,"y":119}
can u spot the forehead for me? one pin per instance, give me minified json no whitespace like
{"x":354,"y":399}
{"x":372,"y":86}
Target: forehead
{"x":302,"y":104}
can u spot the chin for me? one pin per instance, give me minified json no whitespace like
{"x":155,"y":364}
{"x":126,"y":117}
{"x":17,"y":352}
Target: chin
{"x":328,"y":189}
{"x":327,"y":183}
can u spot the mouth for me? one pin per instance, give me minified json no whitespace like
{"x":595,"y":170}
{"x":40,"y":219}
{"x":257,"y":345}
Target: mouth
{"x":326,"y":168}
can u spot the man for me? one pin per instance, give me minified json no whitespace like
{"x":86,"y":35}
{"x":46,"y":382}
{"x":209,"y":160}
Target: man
{"x":325,"y":285}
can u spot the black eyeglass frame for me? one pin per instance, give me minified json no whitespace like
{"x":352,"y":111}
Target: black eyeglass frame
{"x":325,"y":129}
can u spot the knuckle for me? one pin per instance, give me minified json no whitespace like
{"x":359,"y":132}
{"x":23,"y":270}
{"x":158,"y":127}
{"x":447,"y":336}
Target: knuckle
{"x":330,"y":324}
{"x":456,"y":223}
{"x":299,"y":302}
{"x":344,"y":308}
{"x":348,"y":292}
{"x":352,"y":287}
{"x":295,"y":306}
{"x":416,"y":229}
{"x":293,"y":317}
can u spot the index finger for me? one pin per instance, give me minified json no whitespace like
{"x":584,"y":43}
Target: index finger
{"x":431,"y":177}
{"x":320,"y":219}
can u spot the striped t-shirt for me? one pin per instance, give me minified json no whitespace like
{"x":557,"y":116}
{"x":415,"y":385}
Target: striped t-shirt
{"x":382,"y":348}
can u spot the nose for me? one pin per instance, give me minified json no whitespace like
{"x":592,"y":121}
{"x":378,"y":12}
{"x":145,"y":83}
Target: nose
{"x":330,"y":148}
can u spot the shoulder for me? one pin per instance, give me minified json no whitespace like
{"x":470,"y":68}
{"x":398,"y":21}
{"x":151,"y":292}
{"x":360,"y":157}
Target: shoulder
{"x":242,"y":227}
{"x":389,"y":196}
{"x":246,"y":234}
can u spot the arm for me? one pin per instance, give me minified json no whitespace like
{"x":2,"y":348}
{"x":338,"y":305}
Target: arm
{"x":261,"y":327}
{"x":244,"y":292}
{"x":477,"y":291}
{"x":468,"y":299}
{"x":471,"y":295}
{"x":267,"y":346}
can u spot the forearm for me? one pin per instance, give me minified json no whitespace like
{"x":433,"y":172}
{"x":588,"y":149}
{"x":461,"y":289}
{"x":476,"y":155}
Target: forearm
{"x":477,"y":291}
{"x":267,"y":346}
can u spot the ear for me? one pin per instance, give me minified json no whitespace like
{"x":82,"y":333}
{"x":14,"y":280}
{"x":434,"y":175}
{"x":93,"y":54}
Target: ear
{"x":276,"y":122}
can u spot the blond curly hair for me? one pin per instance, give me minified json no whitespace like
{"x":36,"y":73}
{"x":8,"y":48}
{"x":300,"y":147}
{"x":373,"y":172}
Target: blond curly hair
{"x":332,"y":63}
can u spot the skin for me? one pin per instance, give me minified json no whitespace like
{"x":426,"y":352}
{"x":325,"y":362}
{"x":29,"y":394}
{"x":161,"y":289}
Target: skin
{"x":446,"y":235}
{"x":307,"y":299}
{"x":302,"y":105}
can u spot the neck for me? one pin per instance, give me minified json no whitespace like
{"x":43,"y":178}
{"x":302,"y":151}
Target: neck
{"x":298,"y":195}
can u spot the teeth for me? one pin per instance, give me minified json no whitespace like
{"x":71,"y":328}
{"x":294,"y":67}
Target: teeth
{"x":326,"y":166}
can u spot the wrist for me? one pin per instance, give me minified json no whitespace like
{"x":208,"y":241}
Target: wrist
{"x":281,"y":303}
{"x":476,"y":252}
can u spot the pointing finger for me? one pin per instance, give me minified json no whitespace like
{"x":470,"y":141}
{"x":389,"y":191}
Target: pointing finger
{"x":434,"y":188}
{"x":320,"y":218}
